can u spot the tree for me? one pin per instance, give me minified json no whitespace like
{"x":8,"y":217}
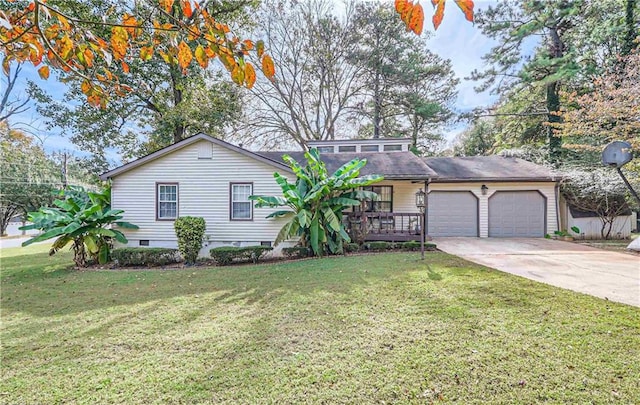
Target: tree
{"x":28,"y":177}
{"x":408,"y":90}
{"x":597,"y":191}
{"x":9,"y":105}
{"x":181,"y":32}
{"x":477,"y":140}
{"x":83,"y":219}
{"x":317,"y":200}
{"x":511,"y":23}
{"x":314,"y":83}
{"x":611,"y":111}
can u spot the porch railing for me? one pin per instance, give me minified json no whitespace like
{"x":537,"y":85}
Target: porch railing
{"x":390,"y":226}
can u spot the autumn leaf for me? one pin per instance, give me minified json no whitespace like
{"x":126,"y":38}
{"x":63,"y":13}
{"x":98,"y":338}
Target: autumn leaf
{"x":237,"y":74}
{"x":416,"y":21}
{"x":65,"y":47}
{"x":268,"y":67}
{"x":125,"y":66}
{"x":85,"y":87}
{"x":439,"y":15}
{"x":44,"y":72}
{"x":186,"y":8}
{"x":401,"y":6}
{"x":249,"y":75}
{"x":467,"y":8}
{"x":146,"y":52}
{"x":201,"y":57}
{"x":88,"y":57}
{"x":184,"y":56}
{"x":166,"y":5}
{"x":119,"y":42}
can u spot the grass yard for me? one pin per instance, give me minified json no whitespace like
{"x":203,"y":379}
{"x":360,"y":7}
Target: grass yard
{"x":358,"y":329}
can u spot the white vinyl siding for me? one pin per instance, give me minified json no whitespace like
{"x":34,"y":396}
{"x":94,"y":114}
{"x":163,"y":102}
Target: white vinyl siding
{"x":167,"y":201}
{"x":203,"y":192}
{"x":240,"y":204}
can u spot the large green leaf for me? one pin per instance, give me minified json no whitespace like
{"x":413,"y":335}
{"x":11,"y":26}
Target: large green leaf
{"x":119,"y":236}
{"x":51,"y":233}
{"x":314,"y":233}
{"x":268,"y":201}
{"x":287,"y":231}
{"x":91,"y":243}
{"x":330,"y":219}
{"x":103,"y":254}
{"x":304,"y":218}
{"x":343,"y":201}
{"x":126,"y":225}
{"x":280,"y":213}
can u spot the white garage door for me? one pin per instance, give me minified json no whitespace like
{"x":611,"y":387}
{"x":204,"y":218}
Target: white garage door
{"x":452,"y":213}
{"x":517,"y":214}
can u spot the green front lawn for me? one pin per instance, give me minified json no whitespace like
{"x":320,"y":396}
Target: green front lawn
{"x":356,"y":329}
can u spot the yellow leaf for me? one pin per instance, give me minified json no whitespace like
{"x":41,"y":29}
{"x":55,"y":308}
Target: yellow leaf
{"x":44,"y":72}
{"x":119,"y":42}
{"x":201,"y":57}
{"x":268,"y":67}
{"x":146,"y":52}
{"x":166,"y":5}
{"x":249,"y":75}
{"x":237,"y":75}
{"x":184,"y":55}
{"x":85,"y":87}
{"x":65,"y":47}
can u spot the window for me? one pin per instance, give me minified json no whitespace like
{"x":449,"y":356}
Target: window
{"x":384,"y":202}
{"x":167,"y":207}
{"x":241,"y":208}
{"x":349,"y":148}
{"x":325,"y":149}
{"x":392,"y":148}
{"x":369,"y":148}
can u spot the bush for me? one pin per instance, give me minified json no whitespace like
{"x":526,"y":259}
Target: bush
{"x":225,"y":255}
{"x":411,"y":245}
{"x":190,"y":233}
{"x":379,"y":246}
{"x":351,"y":247}
{"x":296,"y":252}
{"x":145,"y":256}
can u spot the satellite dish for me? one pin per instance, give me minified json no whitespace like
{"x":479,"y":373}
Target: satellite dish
{"x":617,"y":154}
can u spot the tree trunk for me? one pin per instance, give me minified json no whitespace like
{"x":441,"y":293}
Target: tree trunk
{"x":553,"y":106}
{"x":178,"y":126}
{"x":630,"y":35}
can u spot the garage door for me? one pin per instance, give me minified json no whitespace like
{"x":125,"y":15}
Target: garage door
{"x":516,"y":214}
{"x":452,"y":213}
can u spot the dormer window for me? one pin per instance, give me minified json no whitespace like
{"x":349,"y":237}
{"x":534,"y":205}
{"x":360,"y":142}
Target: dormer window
{"x":325,"y":149}
{"x":369,"y":148}
{"x":347,"y":148}
{"x":392,"y":148}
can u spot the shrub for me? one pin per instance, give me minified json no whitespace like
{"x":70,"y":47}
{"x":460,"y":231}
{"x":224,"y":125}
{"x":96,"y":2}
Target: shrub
{"x":351,"y":247}
{"x":411,"y":245}
{"x":379,"y":246}
{"x":225,"y":255}
{"x":296,"y":252}
{"x":145,"y":256}
{"x":190,"y":233}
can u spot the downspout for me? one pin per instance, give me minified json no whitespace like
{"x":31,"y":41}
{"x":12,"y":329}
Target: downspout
{"x":426,"y":208}
{"x":557,"y":193}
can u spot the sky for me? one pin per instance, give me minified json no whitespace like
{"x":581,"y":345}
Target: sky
{"x":456,"y":39}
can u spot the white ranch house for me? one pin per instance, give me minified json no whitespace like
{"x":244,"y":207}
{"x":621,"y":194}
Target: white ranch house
{"x":202,"y":176}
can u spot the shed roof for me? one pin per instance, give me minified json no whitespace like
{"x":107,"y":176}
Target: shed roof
{"x":392,"y":165}
{"x":488,"y":168}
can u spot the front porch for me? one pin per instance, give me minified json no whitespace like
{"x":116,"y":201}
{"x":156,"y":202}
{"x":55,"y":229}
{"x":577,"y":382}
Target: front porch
{"x":384,"y":226}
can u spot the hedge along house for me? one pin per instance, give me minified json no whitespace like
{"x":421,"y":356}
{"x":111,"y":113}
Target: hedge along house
{"x":206,"y":177}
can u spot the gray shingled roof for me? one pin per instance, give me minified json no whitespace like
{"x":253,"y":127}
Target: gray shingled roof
{"x":486,"y":168}
{"x":393,"y":165}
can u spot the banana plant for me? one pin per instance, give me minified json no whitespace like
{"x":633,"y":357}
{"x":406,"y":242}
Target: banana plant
{"x":317,"y":200}
{"x":83,"y":219}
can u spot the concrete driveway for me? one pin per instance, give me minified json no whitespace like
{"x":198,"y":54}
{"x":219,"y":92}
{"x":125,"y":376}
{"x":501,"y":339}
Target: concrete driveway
{"x":604,"y":274}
